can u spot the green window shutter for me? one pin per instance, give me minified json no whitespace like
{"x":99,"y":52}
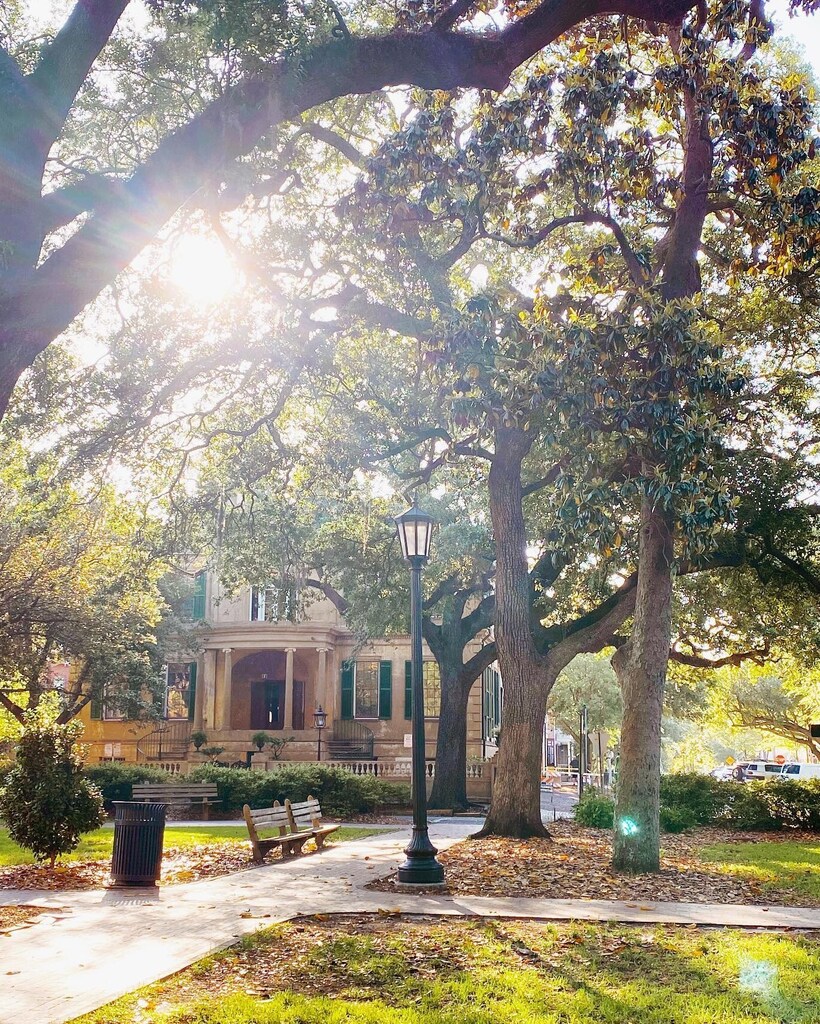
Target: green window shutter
{"x":347,"y":689}
{"x":96,"y":706}
{"x":198,"y":604}
{"x":191,"y":690}
{"x":408,"y":689}
{"x":386,"y":689}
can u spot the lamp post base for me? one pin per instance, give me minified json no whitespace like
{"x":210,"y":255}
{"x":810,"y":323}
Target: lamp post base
{"x":421,"y":866}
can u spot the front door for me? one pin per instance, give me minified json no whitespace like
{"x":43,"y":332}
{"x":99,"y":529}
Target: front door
{"x":268,"y":704}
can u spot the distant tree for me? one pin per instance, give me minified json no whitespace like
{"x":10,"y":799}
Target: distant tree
{"x":80,"y":572}
{"x":590,"y":681}
{"x":780,"y":699}
{"x":46,"y":801}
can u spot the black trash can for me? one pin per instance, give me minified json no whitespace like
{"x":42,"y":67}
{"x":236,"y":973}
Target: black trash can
{"x":138,"y":834}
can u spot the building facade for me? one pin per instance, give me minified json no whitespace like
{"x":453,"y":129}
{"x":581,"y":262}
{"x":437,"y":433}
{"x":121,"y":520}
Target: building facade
{"x":267,"y":658}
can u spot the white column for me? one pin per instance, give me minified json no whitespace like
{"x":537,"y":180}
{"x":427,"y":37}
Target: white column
{"x":321,"y":678}
{"x":289,"y":652}
{"x":199,"y":696}
{"x":225,"y":716}
{"x":209,"y":687}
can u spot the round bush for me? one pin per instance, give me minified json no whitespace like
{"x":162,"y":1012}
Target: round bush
{"x":595,"y":811}
{"x":46,"y":801}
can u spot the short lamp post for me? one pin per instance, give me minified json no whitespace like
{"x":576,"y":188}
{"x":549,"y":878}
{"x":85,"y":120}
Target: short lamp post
{"x":415,"y":530}
{"x":319,"y":722}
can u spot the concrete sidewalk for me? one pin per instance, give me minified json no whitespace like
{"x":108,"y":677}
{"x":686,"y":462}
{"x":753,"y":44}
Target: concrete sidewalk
{"x":98,"y":945}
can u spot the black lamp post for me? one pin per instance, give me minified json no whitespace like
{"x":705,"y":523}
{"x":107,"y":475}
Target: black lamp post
{"x":415,"y":529}
{"x":319,"y":722}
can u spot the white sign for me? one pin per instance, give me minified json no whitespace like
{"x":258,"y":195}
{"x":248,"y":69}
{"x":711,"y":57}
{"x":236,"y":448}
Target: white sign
{"x":408,"y":740}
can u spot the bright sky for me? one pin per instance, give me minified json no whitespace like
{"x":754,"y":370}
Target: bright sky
{"x":803,"y":30}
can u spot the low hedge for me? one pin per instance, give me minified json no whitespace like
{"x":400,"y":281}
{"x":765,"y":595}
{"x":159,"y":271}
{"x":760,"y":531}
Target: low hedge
{"x":689,"y":799}
{"x":765,"y":805}
{"x":338,"y":791}
{"x":115,"y":779}
{"x":700,"y":796}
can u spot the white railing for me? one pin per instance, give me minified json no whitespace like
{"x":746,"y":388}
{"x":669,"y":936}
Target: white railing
{"x":386,"y":769}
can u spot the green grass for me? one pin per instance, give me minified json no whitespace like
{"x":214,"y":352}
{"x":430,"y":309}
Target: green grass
{"x":491,"y":973}
{"x":791,"y":866}
{"x":97,"y":845}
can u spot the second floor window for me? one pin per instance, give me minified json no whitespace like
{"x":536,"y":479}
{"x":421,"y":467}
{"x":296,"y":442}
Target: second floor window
{"x":274,"y":604}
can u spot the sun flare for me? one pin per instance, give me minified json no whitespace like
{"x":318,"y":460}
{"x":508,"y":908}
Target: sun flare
{"x":202,"y":270}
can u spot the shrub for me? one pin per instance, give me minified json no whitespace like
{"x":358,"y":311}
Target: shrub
{"x":700,"y":796}
{"x":748,"y":807}
{"x":677,"y":819}
{"x":595,"y":811}
{"x":46,"y":800}
{"x":794,"y":804}
{"x":338,"y":791}
{"x":115,"y":780}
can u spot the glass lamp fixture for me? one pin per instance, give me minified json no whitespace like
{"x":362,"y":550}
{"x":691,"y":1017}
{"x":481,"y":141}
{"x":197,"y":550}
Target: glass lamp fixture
{"x":415,"y":530}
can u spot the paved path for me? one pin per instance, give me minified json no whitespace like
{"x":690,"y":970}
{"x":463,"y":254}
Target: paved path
{"x":96,"y":946}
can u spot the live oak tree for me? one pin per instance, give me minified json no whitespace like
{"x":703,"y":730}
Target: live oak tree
{"x":77,"y":205}
{"x":622,"y":322}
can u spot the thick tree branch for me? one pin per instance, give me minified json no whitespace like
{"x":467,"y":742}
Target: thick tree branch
{"x":11,"y":707}
{"x":590,"y":632}
{"x":68,"y":59}
{"x":341,"y":604}
{"x":331,"y":138}
{"x":758,"y":655}
{"x":46,"y":303}
{"x":450,"y":18}
{"x":10,"y":74}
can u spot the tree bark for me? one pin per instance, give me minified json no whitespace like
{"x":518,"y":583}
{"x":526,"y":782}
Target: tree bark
{"x":450,"y":781}
{"x":641,"y":669}
{"x":515,"y":809}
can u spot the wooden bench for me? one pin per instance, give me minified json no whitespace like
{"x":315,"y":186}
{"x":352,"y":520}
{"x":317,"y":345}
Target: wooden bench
{"x":295,"y":823}
{"x":306,"y":816}
{"x":202,"y":793}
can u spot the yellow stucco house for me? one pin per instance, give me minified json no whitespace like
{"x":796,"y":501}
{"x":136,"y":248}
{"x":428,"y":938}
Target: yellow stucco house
{"x":267,"y":659}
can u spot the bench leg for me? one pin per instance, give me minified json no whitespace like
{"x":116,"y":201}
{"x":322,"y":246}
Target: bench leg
{"x":320,"y":843}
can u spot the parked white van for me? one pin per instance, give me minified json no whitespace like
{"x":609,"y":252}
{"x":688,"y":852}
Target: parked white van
{"x":800,"y":771}
{"x":763,"y":770}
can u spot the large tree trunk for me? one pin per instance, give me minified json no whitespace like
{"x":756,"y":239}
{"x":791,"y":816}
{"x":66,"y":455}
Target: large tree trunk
{"x":515,"y":809}
{"x":450,"y":781}
{"x":516,"y":803}
{"x":641,"y":669}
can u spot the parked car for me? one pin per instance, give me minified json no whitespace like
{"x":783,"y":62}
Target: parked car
{"x":763,"y":770}
{"x":800,"y":772}
{"x":730,"y":772}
